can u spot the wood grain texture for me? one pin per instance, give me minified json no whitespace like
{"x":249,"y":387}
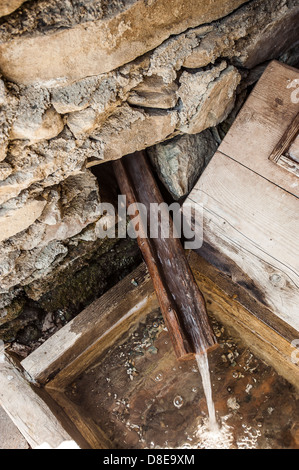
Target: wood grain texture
{"x":262,"y":122}
{"x":293,"y":151}
{"x":90,"y":326}
{"x":83,"y":422}
{"x":181,"y":302}
{"x":262,"y":339}
{"x":255,"y":224}
{"x":27,"y":409}
{"x":118,"y":323}
{"x":289,"y":164}
{"x":286,"y":140}
{"x":238,"y":286}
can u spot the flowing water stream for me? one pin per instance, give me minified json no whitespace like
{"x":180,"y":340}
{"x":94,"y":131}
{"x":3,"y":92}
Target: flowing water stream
{"x":203,"y":366}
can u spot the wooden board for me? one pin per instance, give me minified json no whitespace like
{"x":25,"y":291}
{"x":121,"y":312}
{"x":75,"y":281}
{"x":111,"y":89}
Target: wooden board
{"x":29,"y":412}
{"x":257,"y":326}
{"x":288,"y":138}
{"x":254,"y":223}
{"x":250,"y":204}
{"x":261,"y":123}
{"x":285,"y":153}
{"x":92,"y":326}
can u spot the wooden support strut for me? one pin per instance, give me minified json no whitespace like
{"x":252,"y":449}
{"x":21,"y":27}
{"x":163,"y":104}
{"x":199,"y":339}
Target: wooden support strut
{"x":181,"y":302}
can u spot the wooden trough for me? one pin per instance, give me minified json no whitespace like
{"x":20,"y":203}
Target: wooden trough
{"x":247,"y":271}
{"x":40,"y":394}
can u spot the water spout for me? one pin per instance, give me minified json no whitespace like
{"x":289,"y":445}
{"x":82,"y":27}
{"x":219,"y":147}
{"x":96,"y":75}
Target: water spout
{"x":181,"y":302}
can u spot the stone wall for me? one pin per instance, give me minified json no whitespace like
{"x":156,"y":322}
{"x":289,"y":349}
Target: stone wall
{"x":86,"y":82}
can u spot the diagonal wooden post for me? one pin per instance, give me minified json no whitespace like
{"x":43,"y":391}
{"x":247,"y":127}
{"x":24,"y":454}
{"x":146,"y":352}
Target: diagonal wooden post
{"x":181,"y":302}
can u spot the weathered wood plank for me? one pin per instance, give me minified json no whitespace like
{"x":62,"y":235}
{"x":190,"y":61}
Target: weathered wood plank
{"x":89,"y":326}
{"x":255,"y":224}
{"x":289,"y":164}
{"x":238,"y":286}
{"x":293,"y":151}
{"x":262,"y":122}
{"x":262,"y":340}
{"x":286,"y":140}
{"x":83,"y":422}
{"x":28,"y":411}
{"x":119,"y":321}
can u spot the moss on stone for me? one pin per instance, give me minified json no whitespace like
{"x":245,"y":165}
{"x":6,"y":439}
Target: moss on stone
{"x":77,"y":289}
{"x":12,"y":311}
{"x":27,"y":314}
{"x":96,"y":268}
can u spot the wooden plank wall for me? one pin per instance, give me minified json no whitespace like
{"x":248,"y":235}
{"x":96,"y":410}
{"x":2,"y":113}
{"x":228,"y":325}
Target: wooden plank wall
{"x":251,"y":207}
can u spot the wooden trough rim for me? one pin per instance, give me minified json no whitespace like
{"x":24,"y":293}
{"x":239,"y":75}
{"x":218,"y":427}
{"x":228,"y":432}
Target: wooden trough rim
{"x":91,"y":325}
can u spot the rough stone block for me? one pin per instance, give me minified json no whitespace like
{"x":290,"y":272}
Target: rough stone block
{"x":153,"y":92}
{"x":13,"y":222}
{"x":40,"y":227}
{"x":51,"y":44}
{"x":207,"y":97}
{"x":130,"y":129}
{"x":8,"y":6}
{"x":256,"y":32}
{"x":180,"y":161}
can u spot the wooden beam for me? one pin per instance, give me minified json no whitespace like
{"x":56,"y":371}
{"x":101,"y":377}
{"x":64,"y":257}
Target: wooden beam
{"x":182,"y":304}
{"x":286,"y":140}
{"x":91,"y":326}
{"x":27,"y":409}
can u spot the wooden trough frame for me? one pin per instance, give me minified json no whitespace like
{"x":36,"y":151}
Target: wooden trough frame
{"x":33,"y":393}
